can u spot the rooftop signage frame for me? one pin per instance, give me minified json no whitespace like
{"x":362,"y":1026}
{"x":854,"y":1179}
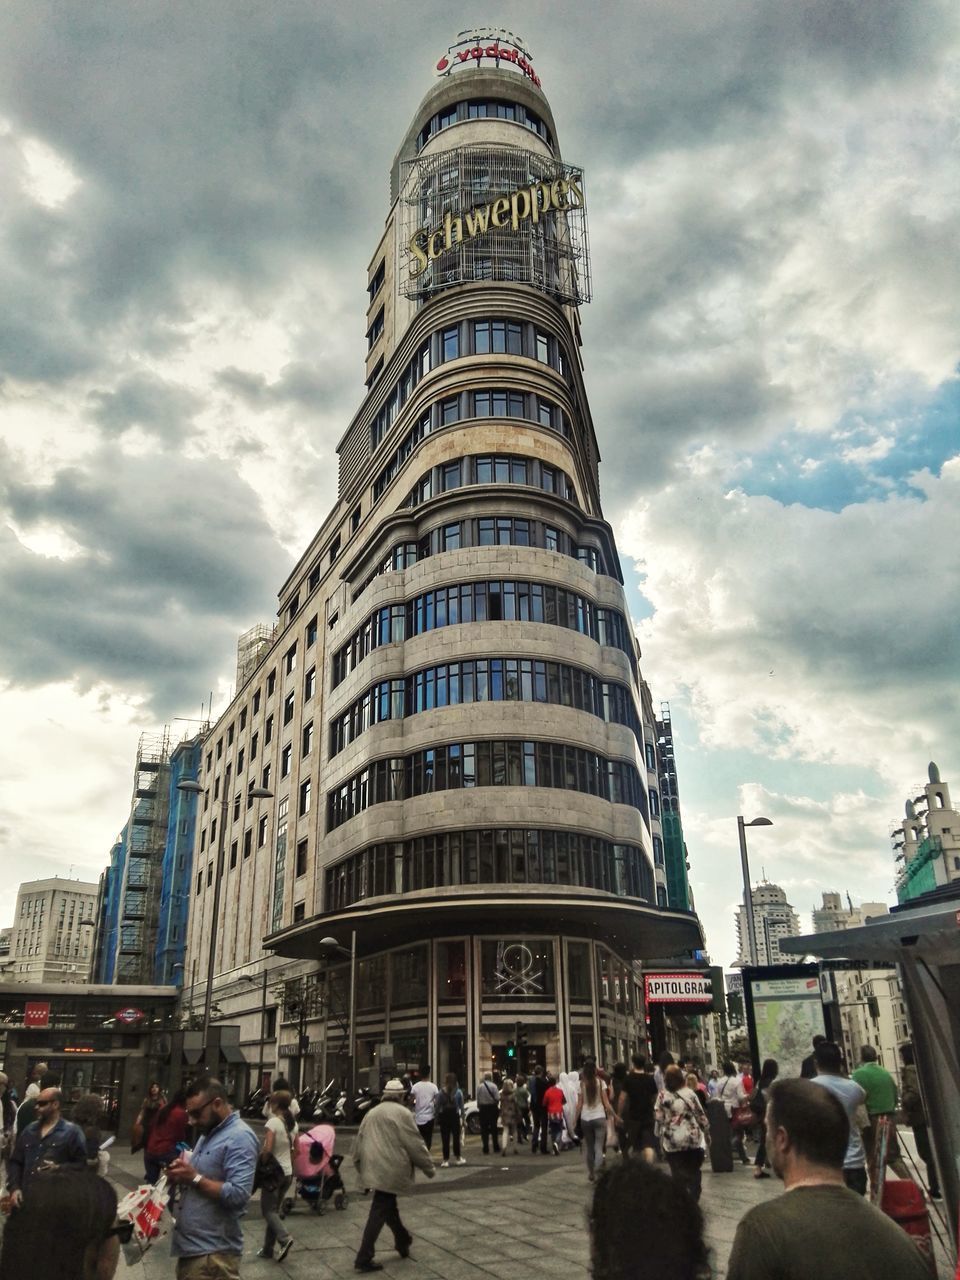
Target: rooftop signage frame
{"x":495,"y":43}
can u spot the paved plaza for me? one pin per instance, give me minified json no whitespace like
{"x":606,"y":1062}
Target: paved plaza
{"x":468,"y":1223}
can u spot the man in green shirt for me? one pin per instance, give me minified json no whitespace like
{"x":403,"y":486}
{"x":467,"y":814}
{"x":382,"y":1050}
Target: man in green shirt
{"x":818,"y":1229}
{"x":881,"y":1090}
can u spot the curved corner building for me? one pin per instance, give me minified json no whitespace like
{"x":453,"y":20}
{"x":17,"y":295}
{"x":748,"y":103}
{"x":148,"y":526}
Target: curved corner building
{"x":461,"y":746}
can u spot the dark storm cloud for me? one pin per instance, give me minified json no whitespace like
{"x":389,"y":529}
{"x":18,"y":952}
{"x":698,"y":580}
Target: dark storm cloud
{"x":173,"y":560}
{"x":300,"y":384}
{"x":143,"y":400}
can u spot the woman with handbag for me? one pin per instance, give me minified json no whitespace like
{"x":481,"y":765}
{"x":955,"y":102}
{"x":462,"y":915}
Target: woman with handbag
{"x":683,"y":1129}
{"x":731,"y":1094}
{"x":149,"y":1108}
{"x":274,"y":1174}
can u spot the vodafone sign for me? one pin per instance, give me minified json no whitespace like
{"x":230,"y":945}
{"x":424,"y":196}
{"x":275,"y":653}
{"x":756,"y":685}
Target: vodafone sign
{"x":678,"y":988}
{"x":488,"y":43}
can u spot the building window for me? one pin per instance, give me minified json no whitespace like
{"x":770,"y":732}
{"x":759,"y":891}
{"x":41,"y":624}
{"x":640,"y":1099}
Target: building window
{"x":240,"y":759}
{"x":265,"y":778}
{"x":230,"y":736}
{"x":243,"y":719}
{"x":450,"y":343}
{"x":247,"y":842}
{"x":334,"y":548}
{"x":268,"y":731}
{"x":286,"y":756}
{"x":301,"y":858}
{"x":309,"y":684}
{"x":307,"y":739}
{"x":355,"y":520}
{"x":292,"y":607}
{"x":375,"y":330}
{"x":305,"y":789}
{"x":311,"y":635}
{"x":271,"y":683}
{"x":256,"y":702}
{"x":299,"y":912}
{"x":262,"y":832}
{"x":254,"y":745}
{"x":288,"y":704}
{"x":376,"y":284}
{"x":290,"y":659}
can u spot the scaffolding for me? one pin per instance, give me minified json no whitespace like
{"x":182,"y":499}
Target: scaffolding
{"x":251,"y":647}
{"x":674,"y":845}
{"x":452,"y":194}
{"x":143,"y":869}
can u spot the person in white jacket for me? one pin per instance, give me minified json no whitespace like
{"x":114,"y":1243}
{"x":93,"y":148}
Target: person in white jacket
{"x":387,"y":1152}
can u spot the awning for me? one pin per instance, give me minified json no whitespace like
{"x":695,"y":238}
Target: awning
{"x":919,"y":931}
{"x":232,"y":1053}
{"x":634,"y":929}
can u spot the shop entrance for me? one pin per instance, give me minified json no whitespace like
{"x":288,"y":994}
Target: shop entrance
{"x":102,"y":1076}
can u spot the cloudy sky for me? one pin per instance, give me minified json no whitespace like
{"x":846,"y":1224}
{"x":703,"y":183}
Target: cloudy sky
{"x":190,"y":196}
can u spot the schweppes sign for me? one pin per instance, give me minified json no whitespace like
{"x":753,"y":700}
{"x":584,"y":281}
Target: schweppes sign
{"x":525,"y":204}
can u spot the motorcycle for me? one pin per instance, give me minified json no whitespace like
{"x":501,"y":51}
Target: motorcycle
{"x":362,"y":1103}
{"x":254,"y":1103}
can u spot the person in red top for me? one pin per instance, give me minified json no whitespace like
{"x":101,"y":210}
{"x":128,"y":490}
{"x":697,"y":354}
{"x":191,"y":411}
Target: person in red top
{"x":169,"y":1128}
{"x":747,"y":1079}
{"x":553,"y":1101}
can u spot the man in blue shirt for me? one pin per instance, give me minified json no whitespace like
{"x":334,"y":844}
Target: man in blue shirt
{"x":47,"y":1141}
{"x":217,"y":1179}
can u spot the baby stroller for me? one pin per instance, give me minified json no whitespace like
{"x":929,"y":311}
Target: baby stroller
{"x":318,"y":1169}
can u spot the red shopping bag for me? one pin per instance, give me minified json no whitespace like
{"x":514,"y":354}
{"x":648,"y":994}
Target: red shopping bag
{"x":143,"y":1209}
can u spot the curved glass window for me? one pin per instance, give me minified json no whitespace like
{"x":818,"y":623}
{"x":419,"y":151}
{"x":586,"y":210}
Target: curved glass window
{"x":485,"y":680}
{"x":483,"y":109}
{"x":492,"y":336}
{"x":490,"y":469}
{"x":509,"y":762}
{"x":504,"y":600}
{"x":451,"y":535}
{"x":497,"y":855}
{"x":472,"y":404}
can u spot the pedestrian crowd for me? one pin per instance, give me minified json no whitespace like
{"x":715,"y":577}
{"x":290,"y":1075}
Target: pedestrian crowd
{"x":827,"y":1135}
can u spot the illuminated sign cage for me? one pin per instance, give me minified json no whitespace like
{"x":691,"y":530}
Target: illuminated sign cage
{"x":494,"y":213}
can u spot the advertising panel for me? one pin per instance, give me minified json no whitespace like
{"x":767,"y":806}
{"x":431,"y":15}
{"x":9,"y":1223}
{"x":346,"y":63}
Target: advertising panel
{"x":785,"y":1013}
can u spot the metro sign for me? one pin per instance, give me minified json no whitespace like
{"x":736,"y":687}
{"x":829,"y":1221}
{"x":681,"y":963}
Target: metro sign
{"x":129,"y":1016}
{"x":678,"y":988}
{"x":488,"y":42}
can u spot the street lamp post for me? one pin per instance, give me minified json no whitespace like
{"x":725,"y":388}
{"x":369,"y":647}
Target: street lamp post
{"x":192,"y":787}
{"x":745,"y":872}
{"x":246,"y":977}
{"x":328,"y":945}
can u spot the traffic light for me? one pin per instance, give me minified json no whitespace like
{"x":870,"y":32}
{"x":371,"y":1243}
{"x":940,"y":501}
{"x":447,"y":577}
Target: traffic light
{"x":521,"y":1036}
{"x":511,"y":1051}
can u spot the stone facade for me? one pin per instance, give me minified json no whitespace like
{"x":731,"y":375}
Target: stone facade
{"x":543,"y":894}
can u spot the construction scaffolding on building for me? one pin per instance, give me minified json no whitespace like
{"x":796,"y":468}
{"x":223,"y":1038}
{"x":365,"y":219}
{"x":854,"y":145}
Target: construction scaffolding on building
{"x":251,"y":647}
{"x":674,"y":845}
{"x":143,"y":869}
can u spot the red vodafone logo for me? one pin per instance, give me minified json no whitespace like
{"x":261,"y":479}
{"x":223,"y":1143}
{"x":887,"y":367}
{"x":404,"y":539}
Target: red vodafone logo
{"x":442,"y":66}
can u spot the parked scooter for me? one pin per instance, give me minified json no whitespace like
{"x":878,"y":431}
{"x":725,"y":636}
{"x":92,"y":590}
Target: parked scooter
{"x":362,"y":1103}
{"x":254,"y":1103}
{"x":322,"y":1104}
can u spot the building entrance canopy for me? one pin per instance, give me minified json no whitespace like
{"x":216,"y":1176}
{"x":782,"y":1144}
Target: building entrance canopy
{"x":636,"y":931}
{"x":924,"y":940}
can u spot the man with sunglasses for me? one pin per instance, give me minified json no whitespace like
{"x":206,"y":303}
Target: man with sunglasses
{"x":216,"y":1180}
{"x":46,"y":1142}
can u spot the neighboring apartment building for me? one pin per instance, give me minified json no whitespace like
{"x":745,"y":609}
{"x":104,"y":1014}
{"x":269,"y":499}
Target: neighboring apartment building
{"x":53,"y":931}
{"x":870,"y":1001}
{"x":774,"y":918}
{"x":143,"y":896}
{"x":927,"y":842}
{"x":450,"y":714}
